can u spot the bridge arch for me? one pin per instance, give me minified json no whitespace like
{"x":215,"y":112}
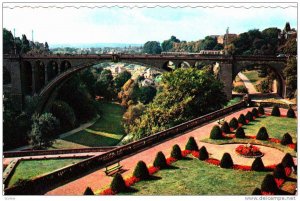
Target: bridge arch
{"x":52,"y":69}
{"x":184,"y":64}
{"x":6,"y":76}
{"x":26,"y":78}
{"x":169,"y":66}
{"x":39,"y":74}
{"x":65,"y":65}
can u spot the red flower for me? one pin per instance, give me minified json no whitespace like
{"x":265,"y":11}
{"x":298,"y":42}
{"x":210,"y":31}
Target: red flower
{"x":292,"y":146}
{"x":254,"y":118}
{"x":270,"y":167}
{"x":274,"y":140}
{"x":248,"y":150}
{"x":279,"y":182}
{"x":288,"y":171}
{"x":242,"y":167}
{"x":195,"y":154}
{"x":131,"y":180}
{"x":266,"y":193}
{"x":108,"y":191}
{"x":259,"y":115}
{"x":213,"y":161}
{"x":152,"y":170}
{"x":170,"y":160}
{"x":247,"y":121}
{"x":184,"y":153}
{"x":231,"y":129}
{"x":240,"y":124}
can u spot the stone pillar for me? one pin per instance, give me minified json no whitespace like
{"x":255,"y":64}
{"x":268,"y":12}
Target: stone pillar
{"x":34,"y":77}
{"x":16,"y":86}
{"x":46,"y":74}
{"x":225,"y":75}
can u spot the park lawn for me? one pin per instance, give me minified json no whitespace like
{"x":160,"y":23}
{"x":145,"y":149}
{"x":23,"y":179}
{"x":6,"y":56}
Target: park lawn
{"x":253,"y":76}
{"x":28,"y":169}
{"x":233,"y":101}
{"x":195,"y":177}
{"x":106,"y":131}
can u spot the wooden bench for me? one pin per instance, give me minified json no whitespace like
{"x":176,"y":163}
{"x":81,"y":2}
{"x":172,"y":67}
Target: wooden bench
{"x":221,"y":121}
{"x":113,"y":168}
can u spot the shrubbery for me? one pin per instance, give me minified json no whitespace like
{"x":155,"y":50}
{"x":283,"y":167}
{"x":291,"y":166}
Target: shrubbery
{"x":249,"y":116}
{"x":240,"y":133}
{"x":258,"y":165}
{"x":203,"y":154}
{"x":191,"y":144}
{"x":242,"y":119}
{"x":291,"y":113}
{"x":225,"y":127}
{"x":261,"y":110}
{"x":141,"y":170}
{"x":226,"y":161}
{"x":88,"y":191}
{"x":240,"y":89}
{"x":279,"y":172}
{"x":255,"y":112}
{"x":275,"y":111}
{"x":256,"y":191}
{"x":160,"y":161}
{"x":216,"y":133}
{"x":286,"y":139}
{"x":269,"y":185}
{"x":262,"y":134}
{"x":176,"y":152}
{"x":287,"y":160}
{"x":234,"y":123}
{"x":118,"y":183}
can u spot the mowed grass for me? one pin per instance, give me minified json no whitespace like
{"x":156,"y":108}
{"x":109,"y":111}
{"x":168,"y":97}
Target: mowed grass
{"x":195,"y":177}
{"x":252,"y":76}
{"x":106,"y":131}
{"x":29,"y":169}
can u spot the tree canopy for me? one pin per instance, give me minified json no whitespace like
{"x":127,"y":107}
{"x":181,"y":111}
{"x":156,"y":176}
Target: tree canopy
{"x":152,"y":47}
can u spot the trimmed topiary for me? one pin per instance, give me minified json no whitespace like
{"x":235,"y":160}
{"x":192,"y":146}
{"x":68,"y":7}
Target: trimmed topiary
{"x":216,"y":133}
{"x":88,"y":191}
{"x":261,"y":110}
{"x":226,"y":161}
{"x":256,"y":191}
{"x":249,"y":116}
{"x":141,"y":171}
{"x":255,"y":112}
{"x":191,"y":144}
{"x":225,"y":127}
{"x":242,"y":119}
{"x":240,"y":133}
{"x":291,"y":113}
{"x":258,"y":165}
{"x":269,"y":185}
{"x":288,"y":161}
{"x":262,"y":134}
{"x":176,"y":152}
{"x":279,"y":172}
{"x":118,"y":183}
{"x":203,"y":154}
{"x":160,"y":161}
{"x":286,"y":139}
{"x":275,"y":111}
{"x":233,"y":123}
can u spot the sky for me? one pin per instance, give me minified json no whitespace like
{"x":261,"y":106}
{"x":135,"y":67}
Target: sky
{"x":133,"y":25}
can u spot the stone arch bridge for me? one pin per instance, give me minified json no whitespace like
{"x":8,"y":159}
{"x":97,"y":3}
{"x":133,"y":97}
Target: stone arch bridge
{"x":41,"y":74}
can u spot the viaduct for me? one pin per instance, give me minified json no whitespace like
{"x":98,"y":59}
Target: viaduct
{"x":41,"y":74}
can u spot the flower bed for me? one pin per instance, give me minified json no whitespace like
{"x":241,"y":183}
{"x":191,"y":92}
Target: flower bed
{"x":249,"y":151}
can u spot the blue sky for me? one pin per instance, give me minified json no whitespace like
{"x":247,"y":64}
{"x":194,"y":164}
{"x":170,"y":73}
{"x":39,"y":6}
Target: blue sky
{"x":138,"y":25}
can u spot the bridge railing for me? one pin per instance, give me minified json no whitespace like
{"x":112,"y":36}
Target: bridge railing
{"x":38,"y":184}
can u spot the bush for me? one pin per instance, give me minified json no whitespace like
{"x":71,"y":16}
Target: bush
{"x":291,"y":113}
{"x":240,"y":89}
{"x":256,"y":191}
{"x":88,"y":191}
{"x":258,"y":165}
{"x":239,"y":133}
{"x":275,"y":111}
{"x":176,"y":152}
{"x":286,"y":139}
{"x":216,"y":133}
{"x":234,"y":123}
{"x":261,"y":110}
{"x":262,"y":134}
{"x":141,"y":170}
{"x":225,"y":127}
{"x":242,"y":119}
{"x":203,"y":154}
{"x":160,"y":161}
{"x":288,"y":161}
{"x":249,"y":116}
{"x":295,"y":149}
{"x":191,"y":145}
{"x":269,"y":185}
{"x":226,"y":161}
{"x":118,"y":184}
{"x":255,"y":112}
{"x":279,"y":172}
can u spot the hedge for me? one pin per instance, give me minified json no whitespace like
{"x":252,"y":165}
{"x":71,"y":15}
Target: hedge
{"x":88,"y":191}
{"x":118,"y":184}
{"x":225,"y":127}
{"x":275,"y":111}
{"x":191,"y":144}
{"x":160,"y":161}
{"x":269,"y":185}
{"x":141,"y":171}
{"x":203,"y":154}
{"x":240,"y":133}
{"x":216,"y":133}
{"x":286,"y":139}
{"x":291,"y":113}
{"x":262,"y":134}
{"x":226,"y":161}
{"x":261,"y":110}
{"x":234,"y":123}
{"x":176,"y":152}
{"x":242,"y":119}
{"x":258,"y":165}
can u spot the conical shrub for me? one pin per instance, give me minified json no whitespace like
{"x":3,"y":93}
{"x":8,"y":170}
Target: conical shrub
{"x":295,"y":149}
{"x":288,"y":161}
{"x":176,"y":152}
{"x":203,"y":154}
{"x":255,"y":112}
{"x":226,"y":161}
{"x":88,"y":191}
{"x":233,"y":123}
{"x":249,"y":116}
{"x":256,"y":191}
{"x":275,"y":111}
{"x":291,"y":113}
{"x":279,"y":172}
{"x":225,"y":127}
{"x":191,"y":144}
{"x":258,"y":165}
{"x":160,"y":161}
{"x":118,"y":183}
{"x":269,"y":185}
{"x":261,"y":110}
{"x":141,"y":171}
{"x":286,"y":139}
{"x":216,"y":133}
{"x":240,"y":133}
{"x":262,"y":134}
{"x":242,"y":119}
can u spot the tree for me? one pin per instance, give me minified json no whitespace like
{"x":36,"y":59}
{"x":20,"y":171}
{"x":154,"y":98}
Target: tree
{"x":25,"y":44}
{"x":290,"y":73}
{"x":152,"y":47}
{"x":168,"y":44}
{"x":146,"y":94}
{"x":44,"y":130}
{"x":8,"y":41}
{"x":47,"y":47}
{"x":104,"y":85}
{"x":121,"y":79}
{"x":208,"y":43}
{"x":88,"y":78}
